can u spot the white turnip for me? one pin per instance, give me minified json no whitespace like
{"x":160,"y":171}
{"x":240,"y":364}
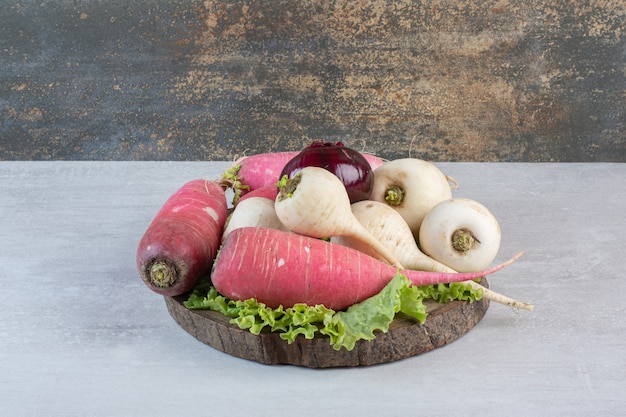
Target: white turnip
{"x":389,"y":228}
{"x":461,"y":233}
{"x":412,"y":187}
{"x":253,"y":212}
{"x":315,"y":203}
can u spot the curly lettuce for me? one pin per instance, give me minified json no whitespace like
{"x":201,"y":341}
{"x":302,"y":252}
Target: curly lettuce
{"x":360,"y":321}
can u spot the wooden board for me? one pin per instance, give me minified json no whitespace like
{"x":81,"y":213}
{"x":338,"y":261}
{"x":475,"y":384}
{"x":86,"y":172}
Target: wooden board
{"x":405,"y":338}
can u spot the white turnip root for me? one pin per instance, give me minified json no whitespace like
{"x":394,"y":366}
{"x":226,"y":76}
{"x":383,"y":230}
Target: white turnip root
{"x":412,"y":187}
{"x":389,"y":228}
{"x":315,"y":203}
{"x":253,"y":212}
{"x":496,"y":297}
{"x":461,"y":233}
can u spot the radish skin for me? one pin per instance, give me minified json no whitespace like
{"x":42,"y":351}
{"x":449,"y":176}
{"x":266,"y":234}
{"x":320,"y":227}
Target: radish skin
{"x":279,"y":268}
{"x":253,"y":212}
{"x":260,"y":170}
{"x":315,"y":203}
{"x":412,"y":187}
{"x":268,"y":191}
{"x":461,"y":233}
{"x":389,"y":228}
{"x":182,"y":240}
{"x":257,"y":171}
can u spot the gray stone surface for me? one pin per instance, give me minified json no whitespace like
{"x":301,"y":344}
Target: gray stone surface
{"x":540,"y":80}
{"x":81,"y":335}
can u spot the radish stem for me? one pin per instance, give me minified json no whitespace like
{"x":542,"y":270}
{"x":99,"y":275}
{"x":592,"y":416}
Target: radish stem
{"x":163,"y":274}
{"x":394,"y":195}
{"x":463,"y":240}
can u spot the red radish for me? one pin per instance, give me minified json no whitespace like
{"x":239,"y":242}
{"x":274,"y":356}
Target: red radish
{"x":256,"y":171}
{"x":281,"y":268}
{"x":268,"y":191}
{"x":347,"y":164}
{"x":182,"y":240}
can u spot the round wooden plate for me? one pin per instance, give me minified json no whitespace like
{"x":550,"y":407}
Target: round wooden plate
{"x":406,"y":337}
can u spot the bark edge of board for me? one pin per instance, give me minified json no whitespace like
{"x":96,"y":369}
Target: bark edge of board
{"x":406,"y":337}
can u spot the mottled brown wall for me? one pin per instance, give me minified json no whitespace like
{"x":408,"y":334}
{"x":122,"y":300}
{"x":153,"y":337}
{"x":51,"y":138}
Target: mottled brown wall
{"x":188,"y":80}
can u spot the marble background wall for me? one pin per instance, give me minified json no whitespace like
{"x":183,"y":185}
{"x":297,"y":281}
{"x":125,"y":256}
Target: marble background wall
{"x":532,"y":80}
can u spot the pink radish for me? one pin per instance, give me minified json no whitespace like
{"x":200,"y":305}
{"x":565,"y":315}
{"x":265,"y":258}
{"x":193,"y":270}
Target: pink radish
{"x":268,"y":191}
{"x":280,"y":268}
{"x":182,"y":240}
{"x":255,"y":171}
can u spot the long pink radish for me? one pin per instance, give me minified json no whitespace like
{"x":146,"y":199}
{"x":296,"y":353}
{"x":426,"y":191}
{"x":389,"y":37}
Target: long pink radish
{"x":268,"y":191}
{"x":182,"y":240}
{"x":256,"y":171}
{"x":280,"y":268}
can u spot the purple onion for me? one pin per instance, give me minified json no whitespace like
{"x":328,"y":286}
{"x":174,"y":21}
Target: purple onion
{"x":346,"y":163}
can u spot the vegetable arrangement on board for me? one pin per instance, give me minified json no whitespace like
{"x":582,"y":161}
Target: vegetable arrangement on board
{"x":318,"y":239}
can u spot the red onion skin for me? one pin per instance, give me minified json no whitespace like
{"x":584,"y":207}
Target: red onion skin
{"x":347,"y":164}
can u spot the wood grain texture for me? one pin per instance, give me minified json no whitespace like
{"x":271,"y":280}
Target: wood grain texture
{"x":405,"y":338}
{"x":496,"y":80}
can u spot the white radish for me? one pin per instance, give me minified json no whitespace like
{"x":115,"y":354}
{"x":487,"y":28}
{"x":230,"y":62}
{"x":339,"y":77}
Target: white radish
{"x":462,"y":234}
{"x":389,"y":228}
{"x":315,"y":203}
{"x":253,"y":212}
{"x":412,"y":187}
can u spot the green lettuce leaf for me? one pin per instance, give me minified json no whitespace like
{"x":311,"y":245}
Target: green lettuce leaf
{"x":360,"y":321}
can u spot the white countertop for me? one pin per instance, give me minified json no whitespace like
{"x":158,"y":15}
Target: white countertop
{"x":81,"y":335}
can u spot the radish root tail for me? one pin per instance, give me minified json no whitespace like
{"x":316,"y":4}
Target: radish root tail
{"x":500,"y":298}
{"x":162,"y":273}
{"x":454,"y":184}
